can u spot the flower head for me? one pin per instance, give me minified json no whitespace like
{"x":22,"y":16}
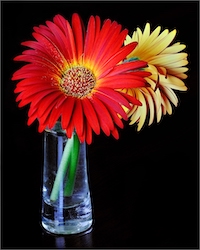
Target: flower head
{"x":76,"y":76}
{"x":166,"y":63}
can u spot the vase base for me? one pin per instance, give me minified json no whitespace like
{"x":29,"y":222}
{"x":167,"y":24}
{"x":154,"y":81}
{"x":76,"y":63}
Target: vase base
{"x":67,"y":220}
{"x":68,"y":227}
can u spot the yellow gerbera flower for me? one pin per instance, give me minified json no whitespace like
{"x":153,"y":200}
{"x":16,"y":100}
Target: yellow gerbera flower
{"x":167,"y":67}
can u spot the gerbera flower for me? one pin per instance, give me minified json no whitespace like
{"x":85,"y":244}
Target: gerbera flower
{"x":166,"y":63}
{"x":75,"y":76}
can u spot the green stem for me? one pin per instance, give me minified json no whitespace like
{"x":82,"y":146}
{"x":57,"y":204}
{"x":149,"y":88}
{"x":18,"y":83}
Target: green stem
{"x":73,"y":167}
{"x":62,"y":168}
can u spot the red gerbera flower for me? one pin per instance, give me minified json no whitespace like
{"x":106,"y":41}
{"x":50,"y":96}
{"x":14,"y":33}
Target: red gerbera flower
{"x":75,"y":76}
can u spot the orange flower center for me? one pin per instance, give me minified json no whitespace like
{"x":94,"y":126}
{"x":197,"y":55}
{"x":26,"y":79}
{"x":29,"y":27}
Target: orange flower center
{"x":78,"y":82}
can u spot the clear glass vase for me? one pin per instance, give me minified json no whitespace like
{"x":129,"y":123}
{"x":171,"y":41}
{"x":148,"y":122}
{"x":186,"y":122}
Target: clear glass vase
{"x":66,"y":201}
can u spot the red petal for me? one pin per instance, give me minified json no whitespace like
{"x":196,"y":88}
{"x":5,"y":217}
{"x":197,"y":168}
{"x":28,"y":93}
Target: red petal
{"x":65,"y":27}
{"x":33,"y":71}
{"x":89,"y":39}
{"x":59,"y":39}
{"x":70,"y":37}
{"x":141,"y":73}
{"x":115,"y":133}
{"x":105,"y":120}
{"x":117,"y":57}
{"x":61,"y":22}
{"x":117,"y":120}
{"x":78,"y":34}
{"x":44,"y":31}
{"x":97,"y":28}
{"x":100,"y":38}
{"x":124,"y":67}
{"x":32,"y":118}
{"x":44,"y":115}
{"x":113,"y":104}
{"x":131,"y":99}
{"x":57,"y":111}
{"x":70,"y":129}
{"x":109,"y":43}
{"x":88,"y":134}
{"x":37,"y":55}
{"x":122,"y":81}
{"x":34,"y":91}
{"x":24,"y":102}
{"x":51,"y":49}
{"x":32,"y":110}
{"x":41,"y":127}
{"x":67,"y":109}
{"x":91,"y":115}
{"x":54,"y":118}
{"x":47,"y":103}
{"x":82,"y":136}
{"x":33,"y":44}
{"x":34,"y":97}
{"x":42,"y":63}
{"x":78,"y":117}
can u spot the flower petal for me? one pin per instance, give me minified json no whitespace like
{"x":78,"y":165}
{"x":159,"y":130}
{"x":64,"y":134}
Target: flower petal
{"x":122,"y":81}
{"x":129,"y":66}
{"x":91,"y":115}
{"x":79,"y":35}
{"x":117,"y":57}
{"x":67,"y":109}
{"x":78,"y":118}
{"x":103,"y":95}
{"x":105,"y":120}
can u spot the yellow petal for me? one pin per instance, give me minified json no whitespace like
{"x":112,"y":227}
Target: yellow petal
{"x":135,"y":117}
{"x":156,"y":96}
{"x":151,"y":82}
{"x":167,"y":105}
{"x":169,"y":93}
{"x":139,"y":34}
{"x":128,"y":40}
{"x":151,"y":46}
{"x":135,"y":37}
{"x":176,"y":71}
{"x":146,"y":34}
{"x":153,"y":35}
{"x":177,"y":64}
{"x":159,"y":114}
{"x":143,"y":110}
{"x":182,"y":76}
{"x":173,"y":49}
{"x":163,"y":43}
{"x":162,"y":71}
{"x":172,"y":82}
{"x":164,"y":111}
{"x":158,"y":99}
{"x":143,"y":49}
{"x":167,"y":59}
{"x":132,"y":111}
{"x":150,"y":102}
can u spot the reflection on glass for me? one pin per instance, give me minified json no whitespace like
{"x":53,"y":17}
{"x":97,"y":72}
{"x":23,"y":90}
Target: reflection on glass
{"x":78,"y":241}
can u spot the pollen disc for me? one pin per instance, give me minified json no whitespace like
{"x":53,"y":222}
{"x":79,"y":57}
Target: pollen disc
{"x":78,"y":82}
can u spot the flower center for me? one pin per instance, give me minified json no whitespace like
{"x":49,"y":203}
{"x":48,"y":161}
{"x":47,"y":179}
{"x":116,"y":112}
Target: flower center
{"x":131,"y":59}
{"x":78,"y":82}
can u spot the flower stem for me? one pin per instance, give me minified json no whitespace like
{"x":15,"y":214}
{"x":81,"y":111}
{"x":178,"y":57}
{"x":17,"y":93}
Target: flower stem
{"x":73,"y":167}
{"x":62,"y":168}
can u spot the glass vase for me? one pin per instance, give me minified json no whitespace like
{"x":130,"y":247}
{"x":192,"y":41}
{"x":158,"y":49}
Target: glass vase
{"x":66,"y":201}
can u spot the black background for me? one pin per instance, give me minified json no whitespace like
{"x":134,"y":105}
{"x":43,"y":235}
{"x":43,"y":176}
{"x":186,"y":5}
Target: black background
{"x":144,"y":186}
